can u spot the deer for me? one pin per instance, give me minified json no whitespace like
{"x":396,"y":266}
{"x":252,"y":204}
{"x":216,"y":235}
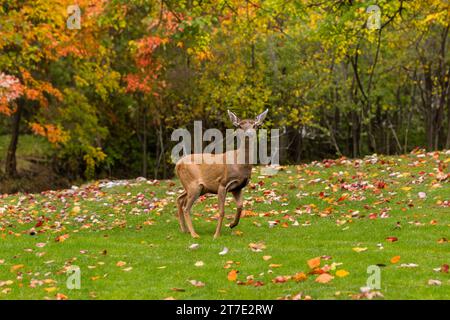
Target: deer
{"x":214,"y":175}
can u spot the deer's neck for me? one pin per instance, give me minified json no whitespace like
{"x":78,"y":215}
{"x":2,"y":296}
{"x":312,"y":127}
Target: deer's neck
{"x":244,"y":152}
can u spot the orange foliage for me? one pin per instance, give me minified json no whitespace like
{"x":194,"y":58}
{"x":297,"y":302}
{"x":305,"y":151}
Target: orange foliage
{"x":50,"y":131}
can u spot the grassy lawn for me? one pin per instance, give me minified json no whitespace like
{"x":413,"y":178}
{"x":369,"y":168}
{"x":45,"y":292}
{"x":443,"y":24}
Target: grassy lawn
{"x":127,"y":243}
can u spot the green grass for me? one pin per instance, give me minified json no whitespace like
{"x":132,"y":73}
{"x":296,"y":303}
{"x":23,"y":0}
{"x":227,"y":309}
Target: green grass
{"x":116,"y":228}
{"x":28,"y":146}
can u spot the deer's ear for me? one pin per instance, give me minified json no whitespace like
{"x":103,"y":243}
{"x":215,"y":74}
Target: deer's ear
{"x":260,"y":118}
{"x":234,"y":119}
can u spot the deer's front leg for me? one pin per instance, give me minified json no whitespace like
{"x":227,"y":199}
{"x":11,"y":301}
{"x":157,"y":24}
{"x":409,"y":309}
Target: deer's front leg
{"x":239,"y":203}
{"x":222,"y":192}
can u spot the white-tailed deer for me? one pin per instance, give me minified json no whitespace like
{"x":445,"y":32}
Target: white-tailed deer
{"x":211,"y":173}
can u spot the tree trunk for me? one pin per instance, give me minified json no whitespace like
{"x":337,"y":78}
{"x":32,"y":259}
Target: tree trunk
{"x":355,"y":134}
{"x":144,"y":143}
{"x":11,"y":163}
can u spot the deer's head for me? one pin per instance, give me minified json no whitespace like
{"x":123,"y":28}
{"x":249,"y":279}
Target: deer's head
{"x":247,"y":124}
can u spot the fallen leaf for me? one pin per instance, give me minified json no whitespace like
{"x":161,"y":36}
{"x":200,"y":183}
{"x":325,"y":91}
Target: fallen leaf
{"x":358,"y":249}
{"x":266,"y":258}
{"x":199,"y":264}
{"x":257,"y":247}
{"x":194,"y":246}
{"x":60,"y":296}
{"x":232,"y":275}
{"x":16,"y":267}
{"x":314,"y":263}
{"x":409,"y":265}
{"x":395,"y":259}
{"x":324,"y":278}
{"x":433,"y":282}
{"x":62,"y":238}
{"x":342,"y":273}
{"x":392,"y":239}
{"x":121,"y":263}
{"x":299,"y":276}
{"x":280,"y":279}
{"x":196,"y":283}
{"x":275,"y":265}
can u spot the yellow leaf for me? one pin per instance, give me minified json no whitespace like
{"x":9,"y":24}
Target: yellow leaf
{"x":358,"y":249}
{"x":275,"y":265}
{"x":299,"y":276}
{"x":50,"y":289}
{"x":342,"y":273}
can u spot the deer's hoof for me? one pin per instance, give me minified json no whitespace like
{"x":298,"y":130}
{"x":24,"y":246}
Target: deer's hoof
{"x":233,"y":225}
{"x":194,"y":235}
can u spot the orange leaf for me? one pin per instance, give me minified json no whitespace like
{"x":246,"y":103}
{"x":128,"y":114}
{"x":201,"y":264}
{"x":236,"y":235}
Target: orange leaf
{"x":232,"y":275}
{"x":395,"y":259}
{"x":314,"y":263}
{"x":300,"y":276}
{"x":324,"y":278}
{"x":16,"y":267}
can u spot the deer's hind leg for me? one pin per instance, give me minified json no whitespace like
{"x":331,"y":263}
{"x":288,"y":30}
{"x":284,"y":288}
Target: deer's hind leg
{"x":181,"y":202}
{"x":191,"y":196}
{"x":239,"y":203}
{"x":222,"y":193}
